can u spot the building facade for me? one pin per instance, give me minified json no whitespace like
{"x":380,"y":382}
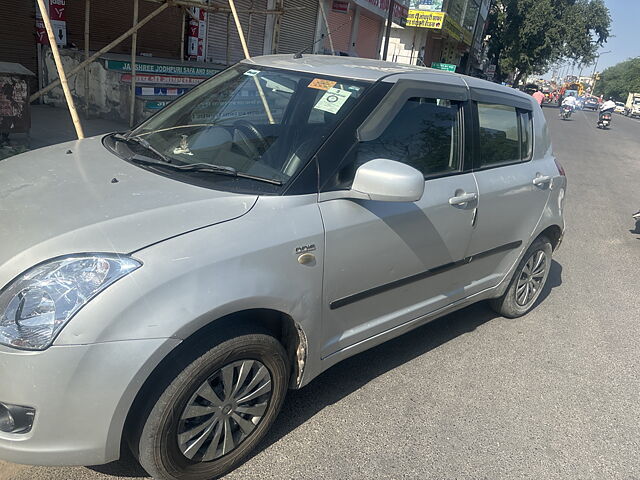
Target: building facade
{"x":442,"y":32}
{"x":179,"y":47}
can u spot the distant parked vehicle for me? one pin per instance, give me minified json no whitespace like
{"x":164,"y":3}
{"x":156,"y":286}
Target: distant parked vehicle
{"x":632,"y":107}
{"x":619,"y":107}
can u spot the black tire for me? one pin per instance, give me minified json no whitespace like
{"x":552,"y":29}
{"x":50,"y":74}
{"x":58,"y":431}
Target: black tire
{"x":509,"y":304}
{"x":155,"y":442}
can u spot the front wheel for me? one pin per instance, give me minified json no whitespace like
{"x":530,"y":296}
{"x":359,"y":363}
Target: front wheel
{"x":215,"y":410}
{"x":528,"y":281}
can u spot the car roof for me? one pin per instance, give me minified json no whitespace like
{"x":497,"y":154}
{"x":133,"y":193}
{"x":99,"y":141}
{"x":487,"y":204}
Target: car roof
{"x":372,"y":70}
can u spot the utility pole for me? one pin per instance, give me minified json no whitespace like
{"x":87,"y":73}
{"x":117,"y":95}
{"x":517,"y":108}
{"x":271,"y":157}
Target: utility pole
{"x":387,"y":32}
{"x":593,"y":75}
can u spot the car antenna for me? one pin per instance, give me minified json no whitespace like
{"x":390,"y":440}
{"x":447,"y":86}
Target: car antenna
{"x":299,"y":54}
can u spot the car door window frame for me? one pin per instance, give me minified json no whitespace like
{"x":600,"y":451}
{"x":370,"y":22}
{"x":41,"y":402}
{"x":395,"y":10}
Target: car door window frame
{"x":386,"y":110}
{"x":521,"y":106}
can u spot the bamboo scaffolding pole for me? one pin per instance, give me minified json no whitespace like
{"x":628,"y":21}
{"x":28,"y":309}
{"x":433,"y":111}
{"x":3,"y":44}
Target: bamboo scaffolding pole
{"x":326,"y":24}
{"x":87,"y":16}
{"x":105,"y":49}
{"x":236,"y":19}
{"x":134,"y":46}
{"x":60,"y":68}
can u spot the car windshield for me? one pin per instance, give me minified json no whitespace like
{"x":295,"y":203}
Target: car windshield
{"x":262,"y":122}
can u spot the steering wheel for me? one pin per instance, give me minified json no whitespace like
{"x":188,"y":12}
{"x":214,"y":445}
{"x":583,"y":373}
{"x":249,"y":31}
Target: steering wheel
{"x":248,"y":133}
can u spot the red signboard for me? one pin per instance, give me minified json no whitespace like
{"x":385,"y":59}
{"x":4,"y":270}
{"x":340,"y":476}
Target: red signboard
{"x":340,"y":6}
{"x":197,"y":33}
{"x":41,"y":32}
{"x":56,"y":10}
{"x":58,"y":17}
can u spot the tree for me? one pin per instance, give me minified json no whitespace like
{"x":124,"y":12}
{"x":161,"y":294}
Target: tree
{"x":528,"y":35}
{"x":621,"y":79}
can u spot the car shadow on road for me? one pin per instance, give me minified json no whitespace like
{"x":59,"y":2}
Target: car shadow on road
{"x":353,"y":373}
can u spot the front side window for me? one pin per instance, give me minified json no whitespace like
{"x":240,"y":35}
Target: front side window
{"x":505,"y":134}
{"x":265,"y":123}
{"x":424,"y":134}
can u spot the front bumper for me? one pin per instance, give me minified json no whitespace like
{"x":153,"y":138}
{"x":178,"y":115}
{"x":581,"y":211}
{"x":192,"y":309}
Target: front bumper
{"x":81,"y":394}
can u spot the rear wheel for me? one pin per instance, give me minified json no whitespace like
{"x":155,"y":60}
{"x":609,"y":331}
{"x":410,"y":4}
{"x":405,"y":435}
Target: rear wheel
{"x":528,"y":281}
{"x":214,"y":412}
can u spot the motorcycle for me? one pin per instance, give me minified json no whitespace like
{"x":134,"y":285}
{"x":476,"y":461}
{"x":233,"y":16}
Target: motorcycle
{"x":604,"y":119}
{"x":565,"y":112}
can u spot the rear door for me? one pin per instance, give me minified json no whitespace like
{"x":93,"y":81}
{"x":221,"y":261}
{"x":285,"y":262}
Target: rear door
{"x":513,"y":183}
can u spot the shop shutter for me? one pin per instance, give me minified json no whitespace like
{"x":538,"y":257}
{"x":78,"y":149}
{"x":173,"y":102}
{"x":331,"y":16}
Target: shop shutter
{"x":340,"y":24}
{"x":223,"y":44}
{"x":368,"y":35}
{"x":18,"y":33}
{"x":298,"y":27}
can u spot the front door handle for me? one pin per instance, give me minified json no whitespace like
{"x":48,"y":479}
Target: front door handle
{"x":464,"y":198}
{"x":541,"y":180}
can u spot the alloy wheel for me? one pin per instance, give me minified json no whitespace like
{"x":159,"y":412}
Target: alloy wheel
{"x":531,"y":279}
{"x":224,"y":410}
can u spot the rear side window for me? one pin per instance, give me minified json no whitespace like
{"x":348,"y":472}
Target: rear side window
{"x":424,"y":134}
{"x":506,"y":134}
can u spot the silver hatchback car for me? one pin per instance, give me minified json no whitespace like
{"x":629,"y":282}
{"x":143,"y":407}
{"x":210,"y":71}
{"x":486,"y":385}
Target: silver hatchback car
{"x":163,"y":288}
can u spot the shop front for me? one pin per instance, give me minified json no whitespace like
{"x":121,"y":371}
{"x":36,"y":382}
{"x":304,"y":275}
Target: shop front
{"x":446,"y":40}
{"x":356,"y":27}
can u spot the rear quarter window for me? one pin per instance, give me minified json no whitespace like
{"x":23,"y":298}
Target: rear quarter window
{"x":505,"y":135}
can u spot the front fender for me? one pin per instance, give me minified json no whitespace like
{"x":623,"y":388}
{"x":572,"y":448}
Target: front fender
{"x":189,"y":281}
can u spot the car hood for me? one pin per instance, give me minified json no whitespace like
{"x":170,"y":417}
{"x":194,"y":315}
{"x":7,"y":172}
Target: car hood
{"x":79,"y":197}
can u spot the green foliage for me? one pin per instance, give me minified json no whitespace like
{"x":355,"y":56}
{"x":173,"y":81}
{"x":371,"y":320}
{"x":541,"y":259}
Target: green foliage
{"x":620,"y":80}
{"x":528,"y":35}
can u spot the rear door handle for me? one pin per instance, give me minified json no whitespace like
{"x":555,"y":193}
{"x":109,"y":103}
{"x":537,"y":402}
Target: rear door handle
{"x":462,"y":199}
{"x":541,"y":180}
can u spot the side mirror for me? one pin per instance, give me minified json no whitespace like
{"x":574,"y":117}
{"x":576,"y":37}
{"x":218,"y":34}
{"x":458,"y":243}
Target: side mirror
{"x":388,"y":181}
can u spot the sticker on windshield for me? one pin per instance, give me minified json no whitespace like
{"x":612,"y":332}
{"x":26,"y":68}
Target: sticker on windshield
{"x":252,"y":73}
{"x":321,"y":84}
{"x":333,"y":100}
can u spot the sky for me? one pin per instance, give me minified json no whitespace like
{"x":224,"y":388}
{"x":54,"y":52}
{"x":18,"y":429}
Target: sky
{"x":623,"y":42}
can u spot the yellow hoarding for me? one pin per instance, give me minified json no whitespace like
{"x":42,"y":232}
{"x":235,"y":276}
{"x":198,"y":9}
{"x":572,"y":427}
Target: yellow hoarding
{"x":438,"y":21}
{"x":425,"y":19}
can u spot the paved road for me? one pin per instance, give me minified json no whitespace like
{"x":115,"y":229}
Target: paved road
{"x":474,"y":396}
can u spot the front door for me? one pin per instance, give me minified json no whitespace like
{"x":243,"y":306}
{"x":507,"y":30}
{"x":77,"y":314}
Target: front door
{"x":387,"y":263}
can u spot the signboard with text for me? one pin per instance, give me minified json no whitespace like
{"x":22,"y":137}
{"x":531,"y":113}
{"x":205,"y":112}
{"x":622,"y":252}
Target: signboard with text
{"x":197,"y":33}
{"x":424,"y":19}
{"x":381,"y":8}
{"x":340,"y":6}
{"x":426,"y":5}
{"x":164,"y":79}
{"x":122,"y":66}
{"x":57,"y":14}
{"x":444,"y":66}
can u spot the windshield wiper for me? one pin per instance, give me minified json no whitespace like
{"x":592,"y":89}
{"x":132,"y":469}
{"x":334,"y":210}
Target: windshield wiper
{"x":203,"y":168}
{"x":143,"y":143}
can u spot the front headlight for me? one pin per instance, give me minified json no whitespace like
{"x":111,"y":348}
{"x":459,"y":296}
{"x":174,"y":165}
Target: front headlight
{"x":35,"y":306}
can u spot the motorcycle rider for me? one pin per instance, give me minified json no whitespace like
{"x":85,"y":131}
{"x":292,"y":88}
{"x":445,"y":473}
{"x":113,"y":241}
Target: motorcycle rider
{"x":607,"y":107}
{"x":570,"y":101}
